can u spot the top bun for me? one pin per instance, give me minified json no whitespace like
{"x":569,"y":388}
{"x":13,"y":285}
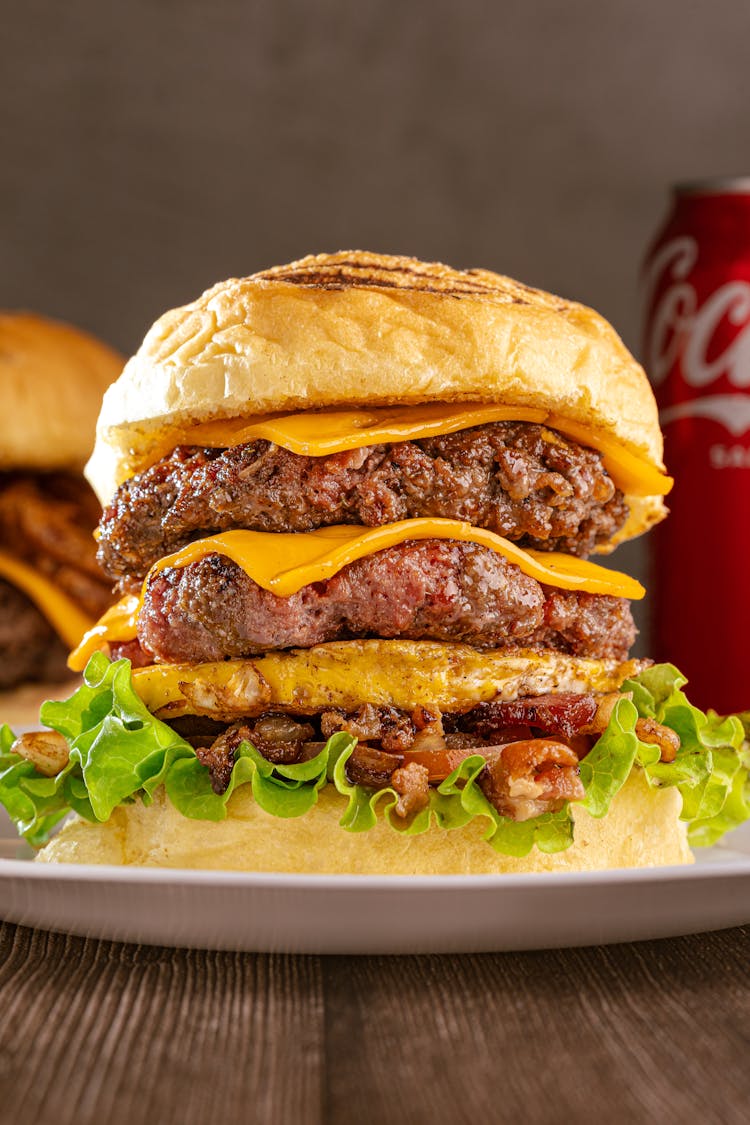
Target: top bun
{"x":52,"y":378}
{"x":361,"y":329}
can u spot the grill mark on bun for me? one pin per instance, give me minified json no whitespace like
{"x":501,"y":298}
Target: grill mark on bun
{"x":343,"y":281}
{"x":374,"y":271}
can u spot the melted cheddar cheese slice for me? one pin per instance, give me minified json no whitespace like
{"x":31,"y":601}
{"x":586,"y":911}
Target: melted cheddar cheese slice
{"x":320,"y":433}
{"x":69,"y":622}
{"x":284,"y":563}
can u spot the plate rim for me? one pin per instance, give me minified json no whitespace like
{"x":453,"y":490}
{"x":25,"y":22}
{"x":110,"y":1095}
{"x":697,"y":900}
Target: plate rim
{"x":280,"y":880}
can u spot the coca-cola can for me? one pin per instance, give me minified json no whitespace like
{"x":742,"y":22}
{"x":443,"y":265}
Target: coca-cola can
{"x":696,"y":350}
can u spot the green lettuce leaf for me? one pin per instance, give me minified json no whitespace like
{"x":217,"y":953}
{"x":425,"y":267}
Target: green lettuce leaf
{"x":119,"y":751}
{"x":34,"y":803}
{"x":284,"y":791}
{"x":711,"y":767}
{"x":744,"y":718}
{"x":607,"y":766}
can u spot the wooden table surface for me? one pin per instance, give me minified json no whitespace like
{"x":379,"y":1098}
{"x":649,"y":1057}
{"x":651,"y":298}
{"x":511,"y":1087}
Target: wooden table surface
{"x":97,"y":1032}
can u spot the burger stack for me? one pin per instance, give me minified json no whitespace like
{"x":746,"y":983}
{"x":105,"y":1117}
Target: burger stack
{"x":348,"y":510}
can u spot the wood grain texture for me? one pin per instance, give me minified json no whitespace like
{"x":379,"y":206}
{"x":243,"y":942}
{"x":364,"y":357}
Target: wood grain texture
{"x":94,"y":1032}
{"x":655,"y":1032}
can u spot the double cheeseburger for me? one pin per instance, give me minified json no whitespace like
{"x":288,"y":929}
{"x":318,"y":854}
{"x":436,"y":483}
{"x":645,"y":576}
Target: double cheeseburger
{"x":52,"y":377}
{"x":349,"y":505}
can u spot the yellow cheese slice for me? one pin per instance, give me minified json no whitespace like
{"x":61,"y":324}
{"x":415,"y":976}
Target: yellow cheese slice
{"x":119,"y":623}
{"x":66,"y":618}
{"x":284,"y":563}
{"x":320,"y":433}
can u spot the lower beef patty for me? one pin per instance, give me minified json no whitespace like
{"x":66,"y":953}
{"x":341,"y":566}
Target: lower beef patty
{"x":429,"y":590}
{"x":29,"y":647}
{"x":520,"y":480}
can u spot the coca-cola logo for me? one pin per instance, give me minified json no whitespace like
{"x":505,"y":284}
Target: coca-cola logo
{"x":681,"y":328}
{"x":697,"y":336}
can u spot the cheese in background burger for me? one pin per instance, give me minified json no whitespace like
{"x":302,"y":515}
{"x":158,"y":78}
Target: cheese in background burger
{"x":348,"y":505}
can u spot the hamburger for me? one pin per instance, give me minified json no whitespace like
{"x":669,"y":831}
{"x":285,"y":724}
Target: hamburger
{"x":349,"y":509}
{"x":52,"y":377}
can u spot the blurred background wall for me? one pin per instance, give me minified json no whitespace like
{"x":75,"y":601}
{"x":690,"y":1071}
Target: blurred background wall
{"x":149,"y":148}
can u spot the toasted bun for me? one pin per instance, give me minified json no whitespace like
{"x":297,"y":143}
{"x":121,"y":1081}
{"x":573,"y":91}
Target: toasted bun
{"x":364,"y":329}
{"x":52,"y":378}
{"x":642,"y":829}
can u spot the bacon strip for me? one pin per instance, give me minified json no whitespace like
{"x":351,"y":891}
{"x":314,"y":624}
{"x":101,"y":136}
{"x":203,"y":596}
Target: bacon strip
{"x":563,"y":713}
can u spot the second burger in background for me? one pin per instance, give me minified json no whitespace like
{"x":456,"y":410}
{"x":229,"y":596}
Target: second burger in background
{"x":52,"y":377}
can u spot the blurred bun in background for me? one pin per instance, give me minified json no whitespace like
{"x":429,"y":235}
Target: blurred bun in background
{"x":52,"y":378}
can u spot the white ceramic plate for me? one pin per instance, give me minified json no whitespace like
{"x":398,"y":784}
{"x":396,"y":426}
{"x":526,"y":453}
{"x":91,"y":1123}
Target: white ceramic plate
{"x":376,"y":914}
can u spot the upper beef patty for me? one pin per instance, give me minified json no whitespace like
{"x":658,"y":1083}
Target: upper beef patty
{"x":29,"y":647}
{"x":522,"y":481}
{"x":433,"y":589}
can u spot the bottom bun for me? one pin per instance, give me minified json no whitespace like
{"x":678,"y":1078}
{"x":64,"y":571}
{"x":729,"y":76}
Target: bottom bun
{"x":640,"y":830}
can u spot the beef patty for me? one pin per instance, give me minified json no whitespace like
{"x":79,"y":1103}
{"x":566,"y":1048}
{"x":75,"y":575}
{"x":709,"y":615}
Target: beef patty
{"x":522,"y":481}
{"x":428,"y":590}
{"x":29,"y":647}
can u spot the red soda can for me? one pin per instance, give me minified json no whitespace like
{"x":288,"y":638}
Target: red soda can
{"x":696,"y":350}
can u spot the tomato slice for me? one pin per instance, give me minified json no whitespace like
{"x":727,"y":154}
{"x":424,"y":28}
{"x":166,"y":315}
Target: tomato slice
{"x":440,"y":763}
